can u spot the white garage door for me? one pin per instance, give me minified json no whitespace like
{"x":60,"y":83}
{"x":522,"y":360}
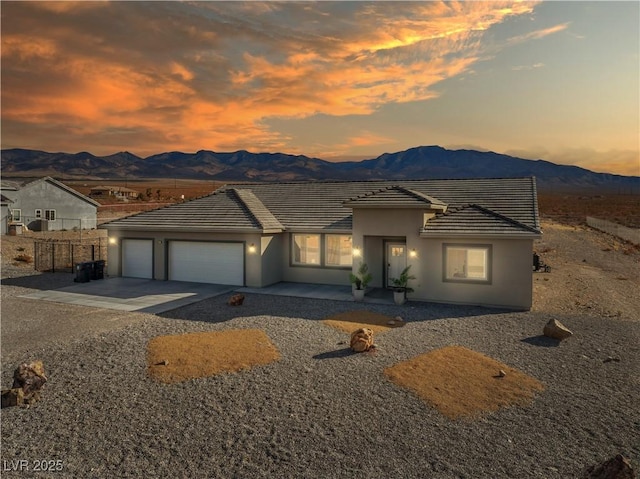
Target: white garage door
{"x":137,"y":258}
{"x":205,"y":262}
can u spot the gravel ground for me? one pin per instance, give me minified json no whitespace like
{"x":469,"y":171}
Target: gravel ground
{"x":321,"y":412}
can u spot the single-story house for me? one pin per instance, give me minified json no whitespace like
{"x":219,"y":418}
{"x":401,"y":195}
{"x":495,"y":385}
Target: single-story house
{"x":468,"y":241}
{"x":47,"y":204}
{"x":118,"y":192}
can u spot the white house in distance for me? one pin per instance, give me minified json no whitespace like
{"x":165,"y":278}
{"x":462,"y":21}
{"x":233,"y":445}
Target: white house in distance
{"x":47,"y":204}
{"x":117,"y":192}
{"x":468,"y":241}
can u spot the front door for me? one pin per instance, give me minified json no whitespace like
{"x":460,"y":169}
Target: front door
{"x":396,"y":261}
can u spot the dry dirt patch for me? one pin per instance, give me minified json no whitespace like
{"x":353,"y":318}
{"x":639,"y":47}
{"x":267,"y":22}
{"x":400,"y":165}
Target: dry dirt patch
{"x":177,"y":358}
{"x":460,"y":382}
{"x":349,"y":321}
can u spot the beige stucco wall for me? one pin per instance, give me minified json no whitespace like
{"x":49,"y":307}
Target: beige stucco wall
{"x":512,"y":279}
{"x":272,"y":252}
{"x":511,"y":283}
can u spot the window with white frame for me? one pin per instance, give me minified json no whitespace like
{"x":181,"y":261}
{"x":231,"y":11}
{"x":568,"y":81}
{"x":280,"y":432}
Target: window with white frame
{"x":338,"y":250}
{"x":50,"y":215}
{"x":16,"y":215}
{"x":38,"y":214}
{"x":306,"y":249}
{"x":467,"y":263}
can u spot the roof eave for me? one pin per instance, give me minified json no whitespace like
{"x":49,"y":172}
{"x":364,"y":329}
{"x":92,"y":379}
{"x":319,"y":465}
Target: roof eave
{"x":426,"y":206}
{"x":471,"y":234}
{"x":194,"y":229}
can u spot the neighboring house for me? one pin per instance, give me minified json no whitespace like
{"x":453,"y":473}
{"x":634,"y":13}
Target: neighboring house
{"x":118,"y":192}
{"x":468,"y":241}
{"x":5,"y":208}
{"x":47,"y":204}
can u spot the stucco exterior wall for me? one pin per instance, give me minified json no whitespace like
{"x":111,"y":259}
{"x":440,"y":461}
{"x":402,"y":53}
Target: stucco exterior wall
{"x":71,"y":211}
{"x":512,"y":280}
{"x":272,"y":252}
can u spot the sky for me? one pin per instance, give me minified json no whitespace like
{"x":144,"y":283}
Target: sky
{"x":334,"y":80}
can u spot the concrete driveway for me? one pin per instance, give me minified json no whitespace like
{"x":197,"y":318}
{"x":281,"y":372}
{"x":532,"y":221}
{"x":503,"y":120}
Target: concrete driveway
{"x":132,"y":294}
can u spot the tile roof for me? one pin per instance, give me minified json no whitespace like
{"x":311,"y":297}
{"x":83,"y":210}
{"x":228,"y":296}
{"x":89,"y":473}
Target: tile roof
{"x":394,"y":197}
{"x":258,"y":210}
{"x":318,"y":206}
{"x":474,"y":220}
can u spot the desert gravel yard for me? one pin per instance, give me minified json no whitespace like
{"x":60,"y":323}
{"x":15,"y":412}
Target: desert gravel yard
{"x":320,"y":411}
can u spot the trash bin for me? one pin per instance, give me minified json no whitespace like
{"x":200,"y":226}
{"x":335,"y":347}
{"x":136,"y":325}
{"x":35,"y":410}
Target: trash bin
{"x":97,"y":271}
{"x":83,"y":272}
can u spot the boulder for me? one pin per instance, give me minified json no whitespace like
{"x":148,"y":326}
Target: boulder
{"x":362,"y":340}
{"x":617,"y":467}
{"x":30,"y":377}
{"x":556,"y":330}
{"x":236,"y":300}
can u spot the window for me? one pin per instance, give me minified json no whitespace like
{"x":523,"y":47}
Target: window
{"x":306,"y":249}
{"x":338,"y":250}
{"x":16,"y":215}
{"x":38,"y":214}
{"x":467,"y":263}
{"x":50,"y":215}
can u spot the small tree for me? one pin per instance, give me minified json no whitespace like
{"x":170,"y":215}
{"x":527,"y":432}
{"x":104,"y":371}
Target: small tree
{"x":362,"y":278}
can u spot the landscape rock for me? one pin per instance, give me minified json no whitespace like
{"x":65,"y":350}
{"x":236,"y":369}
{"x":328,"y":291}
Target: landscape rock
{"x":28,"y":380}
{"x":556,"y":330}
{"x":236,"y":300}
{"x":30,"y":377}
{"x":361,"y":340}
{"x":617,"y":467}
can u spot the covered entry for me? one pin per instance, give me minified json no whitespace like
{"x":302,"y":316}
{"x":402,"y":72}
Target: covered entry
{"x":137,"y":258}
{"x":206,"y":262}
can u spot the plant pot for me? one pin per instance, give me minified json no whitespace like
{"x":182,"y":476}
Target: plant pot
{"x":358,"y":294}
{"x":399,"y":297}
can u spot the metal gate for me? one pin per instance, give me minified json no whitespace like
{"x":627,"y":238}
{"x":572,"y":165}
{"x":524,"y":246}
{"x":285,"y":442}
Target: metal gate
{"x":60,"y":256}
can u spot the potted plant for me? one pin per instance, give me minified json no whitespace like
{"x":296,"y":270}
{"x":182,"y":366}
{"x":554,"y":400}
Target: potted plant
{"x":401,"y":286}
{"x":360,"y":281}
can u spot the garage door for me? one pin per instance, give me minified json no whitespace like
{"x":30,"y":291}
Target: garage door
{"x":137,"y":258}
{"x":206,"y":262}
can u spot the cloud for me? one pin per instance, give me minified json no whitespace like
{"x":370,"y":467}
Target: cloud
{"x":156,"y":76}
{"x":527,"y":67}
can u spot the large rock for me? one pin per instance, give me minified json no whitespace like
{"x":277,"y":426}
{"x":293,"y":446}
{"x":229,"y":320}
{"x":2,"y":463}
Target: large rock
{"x":617,"y":467}
{"x":236,"y":300}
{"x":30,"y":377}
{"x":362,"y":340}
{"x":556,"y":330}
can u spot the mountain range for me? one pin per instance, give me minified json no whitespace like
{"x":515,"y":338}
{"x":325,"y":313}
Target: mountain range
{"x":421,"y":162}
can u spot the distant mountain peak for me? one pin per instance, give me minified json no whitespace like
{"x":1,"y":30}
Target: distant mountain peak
{"x":427,"y":161}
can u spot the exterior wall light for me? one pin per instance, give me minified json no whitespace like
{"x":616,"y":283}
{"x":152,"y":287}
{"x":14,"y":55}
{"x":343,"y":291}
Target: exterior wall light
{"x":357,"y":252}
{"x":252,"y":248}
{"x":113,"y":240}
{"x":413,"y":253}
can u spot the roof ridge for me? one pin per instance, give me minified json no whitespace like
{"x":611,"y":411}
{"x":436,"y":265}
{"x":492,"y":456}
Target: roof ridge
{"x":422,"y":196}
{"x":257,"y":209}
{"x":502,"y":217}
